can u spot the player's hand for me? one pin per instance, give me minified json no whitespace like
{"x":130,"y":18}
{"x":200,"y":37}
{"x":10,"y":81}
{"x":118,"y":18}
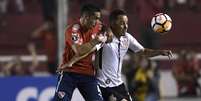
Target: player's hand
{"x":109,"y":35}
{"x":106,"y":31}
{"x":61,"y":68}
{"x":101,"y":38}
{"x":124,"y":100}
{"x":167,"y":53}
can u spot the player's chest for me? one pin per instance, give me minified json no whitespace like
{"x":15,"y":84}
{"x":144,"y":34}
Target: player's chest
{"x":120,"y":46}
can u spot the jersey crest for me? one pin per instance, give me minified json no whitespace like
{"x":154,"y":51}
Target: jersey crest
{"x":75,"y":37}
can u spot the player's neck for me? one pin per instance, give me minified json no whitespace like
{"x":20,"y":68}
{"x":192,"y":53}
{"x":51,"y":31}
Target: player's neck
{"x":116,"y":34}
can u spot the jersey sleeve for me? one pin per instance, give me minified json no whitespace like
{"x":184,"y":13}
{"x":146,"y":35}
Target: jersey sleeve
{"x":134,"y":44}
{"x":68,"y":36}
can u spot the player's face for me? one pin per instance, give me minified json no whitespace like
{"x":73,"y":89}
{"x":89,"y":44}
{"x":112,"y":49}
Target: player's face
{"x":121,"y":25}
{"x":91,"y":20}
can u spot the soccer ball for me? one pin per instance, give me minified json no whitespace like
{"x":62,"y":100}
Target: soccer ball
{"x":161,"y":23}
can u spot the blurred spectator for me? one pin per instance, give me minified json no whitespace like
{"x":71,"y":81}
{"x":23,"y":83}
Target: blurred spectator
{"x":4,"y":4}
{"x":169,"y":5}
{"x":153,"y":93}
{"x":194,"y":5}
{"x":16,"y":65}
{"x":3,"y":9}
{"x":47,"y":34}
{"x":145,"y":10}
{"x":49,"y":9}
{"x":13,"y":67}
{"x":187,"y":72}
{"x":145,"y":83}
{"x":129,"y":69}
{"x":109,"y":4}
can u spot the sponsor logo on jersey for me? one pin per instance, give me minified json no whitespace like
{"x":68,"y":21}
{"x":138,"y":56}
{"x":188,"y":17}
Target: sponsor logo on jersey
{"x":107,"y":81}
{"x":75,"y":38}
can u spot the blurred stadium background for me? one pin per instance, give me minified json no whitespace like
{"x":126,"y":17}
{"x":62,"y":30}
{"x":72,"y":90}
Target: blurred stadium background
{"x":31,"y":44}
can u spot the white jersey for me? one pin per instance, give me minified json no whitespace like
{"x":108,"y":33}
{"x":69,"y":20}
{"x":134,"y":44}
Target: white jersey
{"x":109,"y":74}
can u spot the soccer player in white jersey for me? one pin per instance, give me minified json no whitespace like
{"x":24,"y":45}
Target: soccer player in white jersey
{"x":111,"y":57}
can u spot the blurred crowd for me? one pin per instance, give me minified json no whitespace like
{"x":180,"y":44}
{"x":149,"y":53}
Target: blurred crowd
{"x":142,"y":74}
{"x":186,"y":71}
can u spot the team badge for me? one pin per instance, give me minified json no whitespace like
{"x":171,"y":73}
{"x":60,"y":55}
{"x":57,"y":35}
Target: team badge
{"x":75,"y":37}
{"x":61,"y":94}
{"x":107,"y":81}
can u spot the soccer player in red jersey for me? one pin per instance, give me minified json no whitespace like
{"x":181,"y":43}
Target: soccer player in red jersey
{"x":81,"y":40}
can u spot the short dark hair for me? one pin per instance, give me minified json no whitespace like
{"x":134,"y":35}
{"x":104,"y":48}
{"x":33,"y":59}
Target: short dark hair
{"x":115,"y":13}
{"x":89,"y":9}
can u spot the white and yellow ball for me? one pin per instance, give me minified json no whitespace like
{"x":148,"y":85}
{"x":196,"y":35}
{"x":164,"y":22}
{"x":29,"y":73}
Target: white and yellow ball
{"x":161,"y":23}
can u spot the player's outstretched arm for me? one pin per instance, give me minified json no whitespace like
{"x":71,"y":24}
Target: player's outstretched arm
{"x":84,"y":50}
{"x":151,"y":53}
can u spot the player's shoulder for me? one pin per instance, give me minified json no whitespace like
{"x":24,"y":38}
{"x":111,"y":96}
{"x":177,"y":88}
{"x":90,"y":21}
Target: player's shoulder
{"x":73,"y":27}
{"x":128,"y":35}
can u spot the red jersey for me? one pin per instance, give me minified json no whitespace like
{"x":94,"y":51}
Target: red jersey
{"x":75,"y":35}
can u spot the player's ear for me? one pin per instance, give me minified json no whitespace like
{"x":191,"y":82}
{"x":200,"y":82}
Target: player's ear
{"x":112,"y":23}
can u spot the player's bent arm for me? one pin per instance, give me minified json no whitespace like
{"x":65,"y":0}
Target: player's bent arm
{"x":82,"y":50}
{"x":90,"y":47}
{"x":77,"y":58}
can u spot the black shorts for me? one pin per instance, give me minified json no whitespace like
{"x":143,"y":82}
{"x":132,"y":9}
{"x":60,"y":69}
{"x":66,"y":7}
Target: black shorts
{"x":119,"y":92}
